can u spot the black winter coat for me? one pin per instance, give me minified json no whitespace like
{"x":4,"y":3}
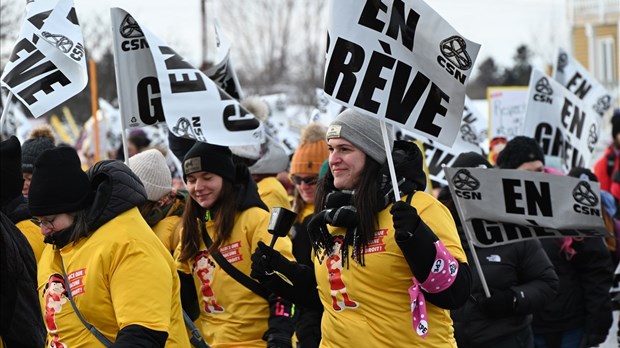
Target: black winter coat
{"x":583,"y":300}
{"x":523,"y":267}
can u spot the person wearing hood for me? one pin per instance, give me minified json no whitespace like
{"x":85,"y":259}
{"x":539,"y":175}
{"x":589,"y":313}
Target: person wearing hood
{"x":21,"y":324}
{"x":387,"y":272}
{"x":520,"y":278}
{"x":164,"y":205}
{"x":222,"y":223}
{"x":106,"y":277}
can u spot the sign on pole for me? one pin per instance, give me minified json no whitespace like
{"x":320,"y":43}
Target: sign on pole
{"x":500,"y":206}
{"x":571,"y":74}
{"x":401,"y":62}
{"x":561,"y":122}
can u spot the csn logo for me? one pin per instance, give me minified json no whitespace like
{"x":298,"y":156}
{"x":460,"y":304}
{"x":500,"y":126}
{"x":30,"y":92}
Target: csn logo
{"x":602,"y":104}
{"x":131,"y":30}
{"x":586,"y":200}
{"x":465,"y":185}
{"x":454,"y":57}
{"x":544,"y":92}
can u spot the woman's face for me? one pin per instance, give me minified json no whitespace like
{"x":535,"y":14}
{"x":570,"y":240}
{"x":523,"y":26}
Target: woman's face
{"x":53,"y":223}
{"x":346,"y":163}
{"x":204,"y":188}
{"x":27,"y":178}
{"x":305,"y":184}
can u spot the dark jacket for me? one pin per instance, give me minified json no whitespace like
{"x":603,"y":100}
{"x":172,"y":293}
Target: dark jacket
{"x":17,"y":209}
{"x":21,"y":322}
{"x":523,"y":267}
{"x":116,"y":189}
{"x":583,"y":300}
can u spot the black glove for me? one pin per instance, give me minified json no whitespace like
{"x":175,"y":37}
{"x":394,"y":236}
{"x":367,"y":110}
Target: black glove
{"x":405,"y":218}
{"x":275,"y":341}
{"x":281,"y":323}
{"x":500,"y":304}
{"x":265,"y":260}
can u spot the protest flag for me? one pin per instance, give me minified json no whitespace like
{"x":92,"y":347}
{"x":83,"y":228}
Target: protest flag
{"x":47,"y":65}
{"x":156,"y":84}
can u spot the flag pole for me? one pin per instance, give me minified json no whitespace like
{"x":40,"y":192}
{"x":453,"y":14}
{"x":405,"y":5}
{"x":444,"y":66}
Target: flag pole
{"x":94,"y":105}
{"x":388,"y":154}
{"x":5,"y":111}
{"x":472,"y":248}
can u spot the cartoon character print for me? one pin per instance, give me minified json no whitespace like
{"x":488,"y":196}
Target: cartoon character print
{"x":204,"y":267}
{"x":55,"y":296}
{"x":336,"y":284}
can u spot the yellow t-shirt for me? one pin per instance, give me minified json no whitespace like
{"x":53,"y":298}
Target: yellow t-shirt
{"x":35,"y":238}
{"x":272,"y":193}
{"x":369,"y":306}
{"x":166,"y":230}
{"x":231,"y":315}
{"x":120,"y":275}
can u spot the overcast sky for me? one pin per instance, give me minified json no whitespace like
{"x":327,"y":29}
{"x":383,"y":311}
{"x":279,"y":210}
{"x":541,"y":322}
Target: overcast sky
{"x":500,"y":26}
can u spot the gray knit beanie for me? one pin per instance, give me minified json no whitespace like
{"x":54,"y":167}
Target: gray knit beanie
{"x":151,"y":167}
{"x":364,"y":132}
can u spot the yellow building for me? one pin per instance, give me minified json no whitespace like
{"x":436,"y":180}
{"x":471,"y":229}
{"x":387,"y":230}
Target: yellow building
{"x":595,"y":27}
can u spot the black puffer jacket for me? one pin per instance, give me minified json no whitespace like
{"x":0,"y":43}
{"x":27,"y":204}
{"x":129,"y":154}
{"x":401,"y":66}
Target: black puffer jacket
{"x":525,"y":269}
{"x":17,"y":209}
{"x":115,"y":188}
{"x":522,"y":267}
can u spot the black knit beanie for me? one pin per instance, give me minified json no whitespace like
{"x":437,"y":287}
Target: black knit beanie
{"x":31,"y":149}
{"x":519,"y":150}
{"x":11,"y":180}
{"x":216,"y":159}
{"x":59,"y":185}
{"x":471,"y":160}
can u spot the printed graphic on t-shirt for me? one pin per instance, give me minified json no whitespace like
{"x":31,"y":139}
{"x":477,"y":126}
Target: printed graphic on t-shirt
{"x":76,"y":283}
{"x":204,"y":267}
{"x":54,"y":296}
{"x":232,"y":252}
{"x":336,"y":284}
{"x":376,"y":244}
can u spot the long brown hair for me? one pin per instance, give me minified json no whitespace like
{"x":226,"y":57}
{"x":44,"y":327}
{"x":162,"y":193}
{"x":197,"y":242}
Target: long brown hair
{"x":365,"y":201}
{"x":222,"y":213}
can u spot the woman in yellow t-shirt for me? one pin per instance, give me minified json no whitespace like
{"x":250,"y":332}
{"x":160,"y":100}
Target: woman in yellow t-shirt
{"x":105,"y":266}
{"x":387,"y":271}
{"x":226,"y":216}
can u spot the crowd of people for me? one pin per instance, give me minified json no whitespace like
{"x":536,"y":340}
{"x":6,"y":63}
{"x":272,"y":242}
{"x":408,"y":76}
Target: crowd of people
{"x":116,"y":253}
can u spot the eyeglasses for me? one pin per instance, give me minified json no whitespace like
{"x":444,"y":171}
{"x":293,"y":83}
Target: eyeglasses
{"x":309,"y":180}
{"x":49,"y":224}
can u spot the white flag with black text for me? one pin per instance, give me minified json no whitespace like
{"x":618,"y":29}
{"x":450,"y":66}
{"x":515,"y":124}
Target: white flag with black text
{"x":500,"y":206}
{"x":193,"y":105}
{"x":47,"y":65}
{"x":401,"y":62}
